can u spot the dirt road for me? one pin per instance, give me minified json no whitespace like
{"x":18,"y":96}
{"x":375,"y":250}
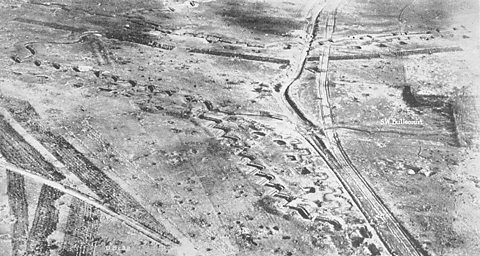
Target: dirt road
{"x":239,"y":127}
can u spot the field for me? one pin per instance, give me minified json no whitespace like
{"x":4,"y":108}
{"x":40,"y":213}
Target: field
{"x":239,"y":127}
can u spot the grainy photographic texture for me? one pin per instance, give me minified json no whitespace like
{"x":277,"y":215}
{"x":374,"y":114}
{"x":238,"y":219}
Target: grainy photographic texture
{"x":239,"y":127}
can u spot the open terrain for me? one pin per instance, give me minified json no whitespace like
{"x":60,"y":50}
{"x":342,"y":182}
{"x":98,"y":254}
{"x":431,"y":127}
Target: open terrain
{"x":239,"y":127}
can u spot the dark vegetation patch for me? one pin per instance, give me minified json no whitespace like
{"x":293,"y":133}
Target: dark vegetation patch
{"x":215,"y":148}
{"x":408,"y":97}
{"x":258,"y":17}
{"x":114,"y":7}
{"x":268,"y":205}
{"x":440,"y":105}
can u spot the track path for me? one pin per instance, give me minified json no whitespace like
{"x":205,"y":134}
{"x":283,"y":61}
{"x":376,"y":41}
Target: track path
{"x":25,"y":156}
{"x":327,"y":143}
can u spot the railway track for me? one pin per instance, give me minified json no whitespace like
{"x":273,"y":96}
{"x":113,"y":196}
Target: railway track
{"x":327,"y":144}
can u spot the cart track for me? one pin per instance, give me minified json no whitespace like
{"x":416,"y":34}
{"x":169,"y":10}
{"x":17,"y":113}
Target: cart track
{"x":392,"y":234}
{"x":107,"y":189}
{"x":328,"y":146}
{"x":16,"y":150}
{"x":296,"y":114}
{"x":26,"y":155}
